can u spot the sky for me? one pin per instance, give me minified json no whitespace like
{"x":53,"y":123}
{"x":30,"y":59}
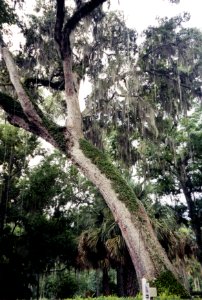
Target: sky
{"x":139,"y":14}
{"x":142,"y":13}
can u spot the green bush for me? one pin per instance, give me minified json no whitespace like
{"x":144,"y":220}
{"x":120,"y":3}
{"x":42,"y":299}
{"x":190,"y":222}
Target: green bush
{"x":60,"y":287}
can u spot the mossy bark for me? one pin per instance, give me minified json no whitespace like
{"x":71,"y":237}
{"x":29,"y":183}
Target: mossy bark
{"x":148,"y":256}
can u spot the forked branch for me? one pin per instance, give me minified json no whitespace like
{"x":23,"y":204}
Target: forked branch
{"x":62,"y":32}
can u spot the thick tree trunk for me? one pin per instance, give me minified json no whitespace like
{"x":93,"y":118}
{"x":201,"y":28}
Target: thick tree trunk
{"x":105,"y":282}
{"x":195,"y":222}
{"x":127,"y":283}
{"x":131,"y":287}
{"x":120,"y":281}
{"x":146,"y":253}
{"x":131,"y":283}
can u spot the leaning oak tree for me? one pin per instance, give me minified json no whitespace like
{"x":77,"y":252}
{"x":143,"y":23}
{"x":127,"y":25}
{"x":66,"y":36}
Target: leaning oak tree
{"x":149,"y":258}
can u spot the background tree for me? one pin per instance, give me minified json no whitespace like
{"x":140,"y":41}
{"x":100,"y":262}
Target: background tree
{"x":171,"y":60}
{"x":35,"y":227}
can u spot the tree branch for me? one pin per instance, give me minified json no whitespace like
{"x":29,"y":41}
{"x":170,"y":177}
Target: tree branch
{"x":57,"y":85}
{"x":11,"y":107}
{"x":81,"y":12}
{"x":15,"y":114}
{"x":23,"y":98}
{"x":60,"y":13}
{"x":33,"y":114}
{"x":162,"y":73}
{"x":78,"y":3}
{"x":18,"y":118}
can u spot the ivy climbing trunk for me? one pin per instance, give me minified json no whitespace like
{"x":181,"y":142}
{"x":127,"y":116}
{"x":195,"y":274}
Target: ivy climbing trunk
{"x":147,"y":255}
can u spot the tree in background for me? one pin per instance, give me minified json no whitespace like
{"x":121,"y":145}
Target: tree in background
{"x":171,"y":58}
{"x":15,"y":147}
{"x":35,"y":226}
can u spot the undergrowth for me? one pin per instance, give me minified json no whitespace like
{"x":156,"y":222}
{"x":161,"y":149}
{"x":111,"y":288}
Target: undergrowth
{"x":163,"y":296}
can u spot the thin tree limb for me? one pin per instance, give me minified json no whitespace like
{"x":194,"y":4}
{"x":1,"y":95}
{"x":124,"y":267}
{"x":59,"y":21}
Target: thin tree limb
{"x":162,"y":73}
{"x":57,"y":85}
{"x":78,"y":3}
{"x":60,"y":13}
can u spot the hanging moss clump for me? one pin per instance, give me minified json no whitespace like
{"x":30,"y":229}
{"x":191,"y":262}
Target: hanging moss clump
{"x":101,"y":160}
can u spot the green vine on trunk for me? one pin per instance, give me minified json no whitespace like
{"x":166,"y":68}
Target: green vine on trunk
{"x":101,"y":160}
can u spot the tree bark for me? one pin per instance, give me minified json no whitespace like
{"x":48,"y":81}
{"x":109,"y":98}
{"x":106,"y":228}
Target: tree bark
{"x":146,"y":253}
{"x":127,"y":283}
